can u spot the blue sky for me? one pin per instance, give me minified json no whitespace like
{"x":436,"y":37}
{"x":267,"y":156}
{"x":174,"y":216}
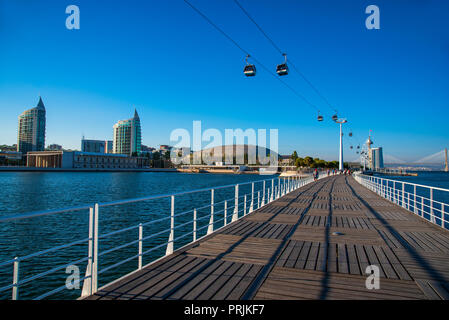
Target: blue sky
{"x":164,"y":59}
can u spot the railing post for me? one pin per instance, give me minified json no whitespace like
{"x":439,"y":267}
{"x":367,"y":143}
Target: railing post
{"x":395,"y":197}
{"x":403,"y":194}
{"x":244,"y":205}
{"x":415,"y":208}
{"x":272,"y":190}
{"x":140,"y":245}
{"x":251,"y":207}
{"x":87,"y":283}
{"x":432,"y":217}
{"x":278,"y":190}
{"x":95,"y":250}
{"x":236,"y":206}
{"x":408,"y":201}
{"x":443,"y":218}
{"x":422,"y":207}
{"x":210,"y":228}
{"x":194,"y":223}
{"x":15,"y":280}
{"x":171,"y":238}
{"x":225,"y":212}
{"x":258,"y":199}
{"x":263,"y":194}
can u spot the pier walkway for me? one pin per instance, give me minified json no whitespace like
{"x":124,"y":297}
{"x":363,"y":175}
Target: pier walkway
{"x":314,"y":243}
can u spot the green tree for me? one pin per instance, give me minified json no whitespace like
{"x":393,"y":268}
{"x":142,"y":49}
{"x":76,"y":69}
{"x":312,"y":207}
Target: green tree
{"x":299,"y":162}
{"x":308,"y":161}
{"x":294,"y":156}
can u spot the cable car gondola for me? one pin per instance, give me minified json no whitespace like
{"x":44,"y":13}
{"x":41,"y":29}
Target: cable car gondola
{"x":320,"y":117}
{"x":250,"y":69}
{"x":335,"y":117}
{"x":282,"y":69}
{"x":358,"y":147}
{"x":350,"y":147}
{"x":350,"y":134}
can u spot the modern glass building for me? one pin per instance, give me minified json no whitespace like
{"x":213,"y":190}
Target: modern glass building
{"x":31,"y":131}
{"x":98,"y":146}
{"x":127,"y":136}
{"x":377,"y":158}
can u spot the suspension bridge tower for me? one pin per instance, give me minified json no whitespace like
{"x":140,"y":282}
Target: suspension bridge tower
{"x":446,"y":168}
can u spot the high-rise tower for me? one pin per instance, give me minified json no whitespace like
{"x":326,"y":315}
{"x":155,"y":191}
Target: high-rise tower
{"x":369,"y":142}
{"x":31,"y":131}
{"x":127,"y":136}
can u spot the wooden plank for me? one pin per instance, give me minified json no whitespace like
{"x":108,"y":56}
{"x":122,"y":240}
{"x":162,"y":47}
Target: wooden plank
{"x":244,"y":283}
{"x":352,"y":259}
{"x":175,"y":280}
{"x":343,"y":265}
{"x":321,"y":263}
{"x":224,"y":291}
{"x":302,"y":258}
{"x":332,"y":262}
{"x":313,"y":254}
{"x":187,"y":287}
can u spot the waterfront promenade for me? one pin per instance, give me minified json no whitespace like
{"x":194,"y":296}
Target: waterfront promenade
{"x":313,"y":243}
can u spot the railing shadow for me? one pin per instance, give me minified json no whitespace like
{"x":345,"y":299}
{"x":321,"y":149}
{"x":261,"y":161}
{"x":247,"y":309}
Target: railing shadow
{"x":431,"y":272}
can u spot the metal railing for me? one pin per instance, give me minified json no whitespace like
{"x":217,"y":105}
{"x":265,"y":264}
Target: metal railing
{"x":233,"y":209}
{"x":416,"y":198}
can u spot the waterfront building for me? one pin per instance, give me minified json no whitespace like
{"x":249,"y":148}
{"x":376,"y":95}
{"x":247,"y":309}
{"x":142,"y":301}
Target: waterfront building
{"x":376,"y":158}
{"x":10,"y":158}
{"x":286,"y":160}
{"x":84,"y":160}
{"x":127,"y":136}
{"x":164,"y":148}
{"x":54,"y":147}
{"x":97,"y":146}
{"x":11,"y":155}
{"x":147,"y":148}
{"x":31,"y":130}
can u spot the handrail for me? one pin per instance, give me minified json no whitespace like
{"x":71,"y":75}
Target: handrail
{"x":226,"y":211}
{"x":410,"y":183}
{"x":408,"y":200}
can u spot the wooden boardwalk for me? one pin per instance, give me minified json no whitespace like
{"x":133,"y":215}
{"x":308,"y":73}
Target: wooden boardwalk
{"x":289,"y":250}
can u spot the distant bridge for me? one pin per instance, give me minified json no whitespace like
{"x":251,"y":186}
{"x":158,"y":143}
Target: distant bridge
{"x":437,"y":158}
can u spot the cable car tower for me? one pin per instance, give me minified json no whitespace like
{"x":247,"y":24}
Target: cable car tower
{"x":340,"y":121}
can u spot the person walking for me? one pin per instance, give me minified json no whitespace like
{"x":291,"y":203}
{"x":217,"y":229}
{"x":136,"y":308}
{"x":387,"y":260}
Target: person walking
{"x":315,"y":175}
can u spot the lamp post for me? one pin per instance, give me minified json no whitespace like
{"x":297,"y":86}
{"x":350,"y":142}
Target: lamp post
{"x":341,"y":121}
